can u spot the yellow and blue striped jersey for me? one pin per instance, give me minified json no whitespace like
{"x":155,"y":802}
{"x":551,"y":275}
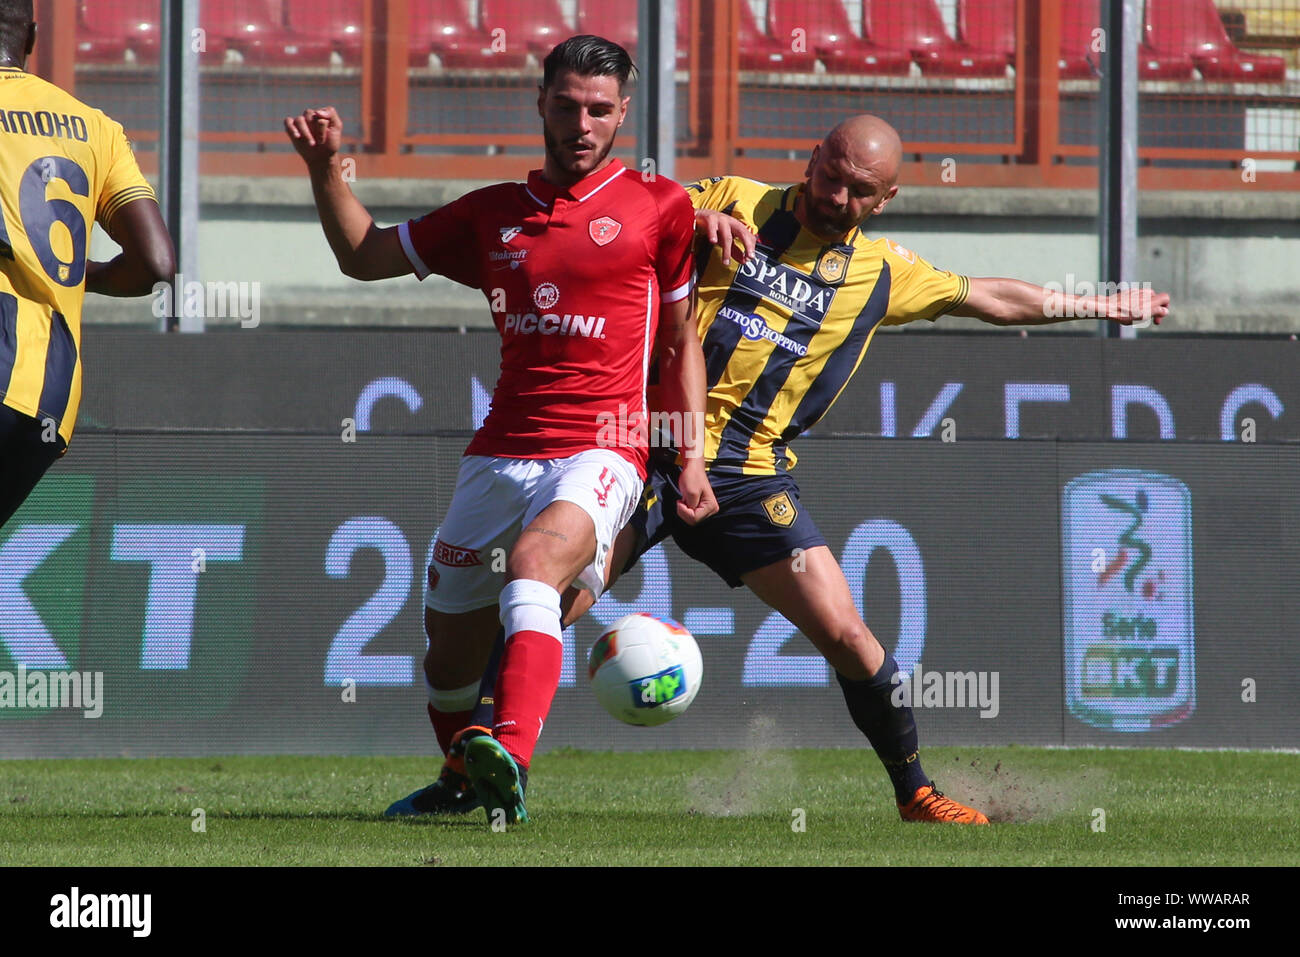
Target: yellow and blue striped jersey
{"x":63,"y":165}
{"x":784,"y":332}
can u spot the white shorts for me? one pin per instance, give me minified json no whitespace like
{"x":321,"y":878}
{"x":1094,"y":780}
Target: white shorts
{"x":496,"y":498}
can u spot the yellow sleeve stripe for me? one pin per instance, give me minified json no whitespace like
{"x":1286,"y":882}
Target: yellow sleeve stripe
{"x":128,"y":195}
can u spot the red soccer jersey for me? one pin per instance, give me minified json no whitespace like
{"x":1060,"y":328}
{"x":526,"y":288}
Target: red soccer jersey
{"x":574,"y":278}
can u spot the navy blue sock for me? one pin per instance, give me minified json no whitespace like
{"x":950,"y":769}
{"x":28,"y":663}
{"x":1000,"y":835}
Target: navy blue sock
{"x":890,"y":728}
{"x":481,"y":716}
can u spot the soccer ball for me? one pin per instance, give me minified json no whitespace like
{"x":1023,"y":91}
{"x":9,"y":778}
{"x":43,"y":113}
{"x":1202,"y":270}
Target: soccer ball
{"x":645,"y":670}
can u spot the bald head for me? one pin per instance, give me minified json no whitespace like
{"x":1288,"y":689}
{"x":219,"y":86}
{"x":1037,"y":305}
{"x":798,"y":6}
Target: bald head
{"x":868,"y":142}
{"x":852,"y":175}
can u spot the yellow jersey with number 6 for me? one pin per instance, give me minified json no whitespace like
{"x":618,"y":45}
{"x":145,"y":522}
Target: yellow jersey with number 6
{"x":63,"y":165}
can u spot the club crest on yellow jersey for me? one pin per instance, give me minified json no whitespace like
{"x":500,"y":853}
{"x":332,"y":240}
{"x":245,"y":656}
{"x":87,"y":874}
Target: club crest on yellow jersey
{"x":780,"y":510}
{"x":832,"y":267}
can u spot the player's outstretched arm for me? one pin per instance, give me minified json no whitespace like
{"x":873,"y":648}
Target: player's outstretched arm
{"x":363,"y":250}
{"x":1011,"y":302}
{"x":681,"y":365}
{"x":147,"y":257}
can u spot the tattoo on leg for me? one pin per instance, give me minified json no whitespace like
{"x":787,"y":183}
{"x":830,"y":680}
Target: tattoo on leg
{"x":549,"y":531}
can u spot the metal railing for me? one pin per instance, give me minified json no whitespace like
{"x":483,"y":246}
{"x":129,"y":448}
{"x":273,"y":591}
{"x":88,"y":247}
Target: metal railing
{"x":1030,"y":128}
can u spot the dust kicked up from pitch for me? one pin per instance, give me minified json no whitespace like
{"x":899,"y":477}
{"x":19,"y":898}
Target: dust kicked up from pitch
{"x":759,"y":779}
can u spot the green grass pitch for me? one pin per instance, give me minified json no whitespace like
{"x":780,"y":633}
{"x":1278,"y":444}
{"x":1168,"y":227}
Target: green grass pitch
{"x":1161,"y":807}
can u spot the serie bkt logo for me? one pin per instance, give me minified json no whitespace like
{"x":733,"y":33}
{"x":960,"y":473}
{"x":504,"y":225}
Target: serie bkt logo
{"x":1130,"y":656}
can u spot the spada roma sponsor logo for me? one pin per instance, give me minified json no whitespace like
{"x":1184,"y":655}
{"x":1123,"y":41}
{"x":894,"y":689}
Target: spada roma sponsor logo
{"x":455,"y":556}
{"x":806,"y":297}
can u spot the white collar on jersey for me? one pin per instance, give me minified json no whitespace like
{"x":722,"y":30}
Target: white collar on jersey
{"x":543,"y":192}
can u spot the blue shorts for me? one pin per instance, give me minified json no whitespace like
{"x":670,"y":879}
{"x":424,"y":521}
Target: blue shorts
{"x":760,"y":520}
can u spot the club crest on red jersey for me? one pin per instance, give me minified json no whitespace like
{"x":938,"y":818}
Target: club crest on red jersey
{"x":604,"y":231}
{"x":509,"y":232}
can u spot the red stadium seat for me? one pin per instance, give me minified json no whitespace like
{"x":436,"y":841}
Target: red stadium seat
{"x":601,"y":18}
{"x":989,"y":25}
{"x":832,"y":38}
{"x":106,"y":30}
{"x":766,"y":52}
{"x":337,"y":22}
{"x":536,"y":25}
{"x":1192,"y":28}
{"x":1079,"y":20}
{"x":96,"y":47}
{"x":917,"y":26}
{"x":443,"y":27}
{"x":595,"y":17}
{"x":251,"y":29}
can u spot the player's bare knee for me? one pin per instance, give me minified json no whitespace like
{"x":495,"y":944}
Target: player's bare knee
{"x":525,"y":563}
{"x":848,"y":648}
{"x":538,"y":560}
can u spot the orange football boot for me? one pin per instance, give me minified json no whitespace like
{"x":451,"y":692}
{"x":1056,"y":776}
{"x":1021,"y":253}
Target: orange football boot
{"x":928,"y":804}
